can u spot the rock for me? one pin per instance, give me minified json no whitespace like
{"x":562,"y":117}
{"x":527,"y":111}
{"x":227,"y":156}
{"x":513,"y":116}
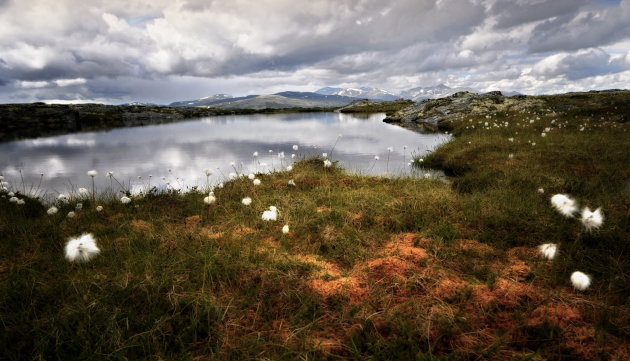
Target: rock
{"x":431,"y":115}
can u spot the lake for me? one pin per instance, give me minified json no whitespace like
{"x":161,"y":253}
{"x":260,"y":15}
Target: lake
{"x":175,"y":154}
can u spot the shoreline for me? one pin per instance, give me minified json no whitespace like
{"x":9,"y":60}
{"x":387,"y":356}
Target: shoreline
{"x":28,"y":121}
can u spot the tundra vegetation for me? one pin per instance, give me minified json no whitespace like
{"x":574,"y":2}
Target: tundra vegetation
{"x":368,"y":267}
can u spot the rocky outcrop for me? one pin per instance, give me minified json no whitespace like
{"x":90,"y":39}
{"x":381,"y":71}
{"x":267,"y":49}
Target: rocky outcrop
{"x":433,"y":115}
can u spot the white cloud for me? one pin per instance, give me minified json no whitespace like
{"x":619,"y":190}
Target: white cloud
{"x":166,"y":50}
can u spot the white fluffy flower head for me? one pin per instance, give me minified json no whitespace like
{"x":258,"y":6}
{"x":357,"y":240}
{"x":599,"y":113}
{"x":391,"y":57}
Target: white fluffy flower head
{"x":285,"y":229}
{"x":548,"y":250}
{"x":590,"y":219}
{"x":246,"y":201}
{"x":256,"y":182}
{"x":52,"y":210}
{"x":81,"y":249}
{"x":125,"y":199}
{"x":327,"y":163}
{"x":209,"y":199}
{"x":83,"y":192}
{"x":99,"y":208}
{"x":565,"y":205}
{"x":580,"y":281}
{"x":92,"y":173}
{"x":271,"y":214}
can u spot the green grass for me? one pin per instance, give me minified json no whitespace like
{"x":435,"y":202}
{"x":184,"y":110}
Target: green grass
{"x":372,"y":268}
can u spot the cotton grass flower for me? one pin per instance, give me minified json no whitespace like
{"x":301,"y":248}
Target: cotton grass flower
{"x":13,"y":199}
{"x":61,"y":198}
{"x":81,"y":249}
{"x":71,"y":214}
{"x":125,"y":199}
{"x":207,"y":172}
{"x":232,"y":175}
{"x":324,"y":155}
{"x":565,"y":205}
{"x":246,"y":201}
{"x":580,"y":281}
{"x":291,"y":182}
{"x":256,"y":182}
{"x":327,"y":163}
{"x":290,"y":168}
{"x":271,"y":214}
{"x":52,"y":210}
{"x":251,"y":176}
{"x":548,"y":250}
{"x":83,"y":192}
{"x":295,"y":147}
{"x":590,"y":219}
{"x":285,"y":229}
{"x":209,"y":199}
{"x":92,"y":173}
{"x":541,"y":190}
{"x":21,"y":202}
{"x":99,"y":208}
{"x":376,"y":157}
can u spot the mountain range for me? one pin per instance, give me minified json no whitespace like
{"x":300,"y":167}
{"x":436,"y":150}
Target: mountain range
{"x":325,"y":97}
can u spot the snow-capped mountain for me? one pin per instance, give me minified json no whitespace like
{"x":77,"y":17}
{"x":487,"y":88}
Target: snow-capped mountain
{"x":212,"y":99}
{"x":288,"y":99}
{"x":432,"y":92}
{"x":361,"y":93}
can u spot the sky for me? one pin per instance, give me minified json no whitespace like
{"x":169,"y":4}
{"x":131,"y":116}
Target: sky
{"x":161,"y":51}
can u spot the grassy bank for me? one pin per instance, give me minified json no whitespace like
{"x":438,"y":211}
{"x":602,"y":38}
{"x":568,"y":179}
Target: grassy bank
{"x":370,"y":106}
{"x":371,"y":267}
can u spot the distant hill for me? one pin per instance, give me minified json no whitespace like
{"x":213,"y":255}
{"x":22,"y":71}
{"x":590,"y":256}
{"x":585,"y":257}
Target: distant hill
{"x":361,"y":93}
{"x":327,"y":97}
{"x":209,"y":100}
{"x":281,"y":100}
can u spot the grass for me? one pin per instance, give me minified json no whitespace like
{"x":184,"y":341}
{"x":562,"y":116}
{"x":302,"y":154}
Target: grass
{"x":372,"y":268}
{"x":369,"y":106}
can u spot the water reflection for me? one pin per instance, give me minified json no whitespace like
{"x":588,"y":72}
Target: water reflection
{"x":186,"y":148}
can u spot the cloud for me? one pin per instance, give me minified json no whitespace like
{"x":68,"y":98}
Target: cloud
{"x":583,"y":29}
{"x":581,"y":64}
{"x":150,"y":50}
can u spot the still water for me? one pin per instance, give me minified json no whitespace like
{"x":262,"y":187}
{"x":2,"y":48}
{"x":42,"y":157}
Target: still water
{"x":176,"y":154}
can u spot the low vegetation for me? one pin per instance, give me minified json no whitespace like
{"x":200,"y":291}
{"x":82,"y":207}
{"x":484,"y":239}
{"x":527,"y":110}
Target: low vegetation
{"x":371,"y":106}
{"x":371,"y":267}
